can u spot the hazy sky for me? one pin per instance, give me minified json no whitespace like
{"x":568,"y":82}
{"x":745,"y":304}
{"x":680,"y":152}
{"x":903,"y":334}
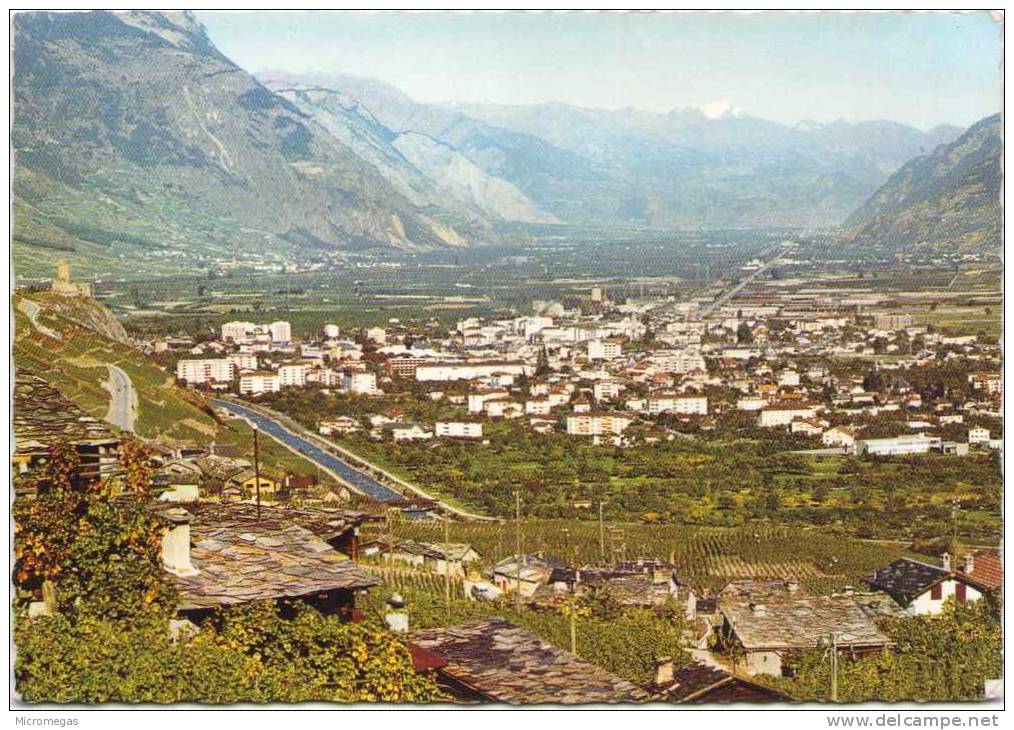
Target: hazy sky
{"x":920,"y":68}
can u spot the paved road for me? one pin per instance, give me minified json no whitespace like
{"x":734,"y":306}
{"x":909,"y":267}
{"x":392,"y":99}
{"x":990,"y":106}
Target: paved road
{"x":121,"y":407}
{"x":31,"y":310}
{"x":347,"y":473}
{"x":710,"y":309}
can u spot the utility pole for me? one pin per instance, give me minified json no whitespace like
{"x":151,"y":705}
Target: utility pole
{"x":834,"y":667}
{"x":517,"y":530}
{"x":257,"y":470}
{"x":602,"y":534}
{"x":447,"y":567}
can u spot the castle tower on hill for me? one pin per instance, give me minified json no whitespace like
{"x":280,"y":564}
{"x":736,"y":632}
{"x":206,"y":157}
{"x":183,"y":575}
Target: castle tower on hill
{"x":64,"y":287}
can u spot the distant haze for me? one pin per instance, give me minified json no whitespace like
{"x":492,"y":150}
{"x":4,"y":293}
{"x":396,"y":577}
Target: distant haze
{"x":922,"y":69}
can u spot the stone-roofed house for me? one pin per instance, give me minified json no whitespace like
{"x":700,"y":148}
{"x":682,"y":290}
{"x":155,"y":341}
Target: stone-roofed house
{"x":769,"y":630}
{"x":43,"y":417}
{"x":222,"y":554}
{"x":922,"y":588}
{"x":700,"y":684}
{"x":495,"y":661}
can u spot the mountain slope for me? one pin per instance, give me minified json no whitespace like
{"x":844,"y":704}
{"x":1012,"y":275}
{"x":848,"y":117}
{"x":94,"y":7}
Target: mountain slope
{"x":684,"y":169}
{"x":426,"y":171}
{"x":948,"y":199}
{"x":137,"y":118}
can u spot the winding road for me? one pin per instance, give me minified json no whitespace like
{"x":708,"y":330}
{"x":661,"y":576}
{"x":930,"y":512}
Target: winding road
{"x":31,"y":310}
{"x":327,"y":459}
{"x":122,"y":411}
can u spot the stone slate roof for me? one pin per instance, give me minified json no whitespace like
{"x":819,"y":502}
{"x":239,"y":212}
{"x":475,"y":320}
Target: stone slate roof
{"x":800,"y":623}
{"x":694,"y":681}
{"x":239,"y":559}
{"x":505,"y":663}
{"x":43,"y":416}
{"x":907,"y":578}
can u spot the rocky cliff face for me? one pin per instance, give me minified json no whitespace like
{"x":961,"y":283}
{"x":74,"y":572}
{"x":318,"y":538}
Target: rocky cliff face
{"x":947,"y":199}
{"x":133,"y":131}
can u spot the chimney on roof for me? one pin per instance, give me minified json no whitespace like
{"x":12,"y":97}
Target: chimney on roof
{"x":946,"y":560}
{"x":396,"y":617}
{"x":176,"y":543}
{"x":968,"y":563}
{"x":759,"y":609}
{"x":664,"y":671}
{"x":792,"y":586}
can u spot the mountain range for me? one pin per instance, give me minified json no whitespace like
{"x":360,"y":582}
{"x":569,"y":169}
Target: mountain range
{"x":947,"y":199}
{"x":134,"y":133}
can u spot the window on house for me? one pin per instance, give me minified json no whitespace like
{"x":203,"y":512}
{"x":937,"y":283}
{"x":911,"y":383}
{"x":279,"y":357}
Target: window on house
{"x":937,"y":592}
{"x":959,"y":591}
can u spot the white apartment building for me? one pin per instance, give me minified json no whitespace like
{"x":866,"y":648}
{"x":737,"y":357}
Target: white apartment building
{"x":788,"y":378}
{"x":467,"y":371}
{"x":257,"y":383}
{"x":606,"y":390}
{"x":502,"y":408}
{"x":477,"y":401}
{"x":237,"y":331}
{"x":672,"y":403}
{"x":242,"y":361}
{"x":363,"y":383}
{"x":604,"y":350}
{"x":293,"y":375}
{"x":280,"y":332}
{"x":538,"y":407}
{"x":458,"y":429}
{"x":591,"y":424}
{"x":769,"y":417}
{"x":197,"y":372}
{"x":678,"y":361}
{"x":331,"y":331}
{"x":978,"y":435}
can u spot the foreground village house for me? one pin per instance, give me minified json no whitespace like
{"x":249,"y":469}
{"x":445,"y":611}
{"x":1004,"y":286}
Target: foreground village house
{"x":922,"y":588}
{"x":495,"y":661}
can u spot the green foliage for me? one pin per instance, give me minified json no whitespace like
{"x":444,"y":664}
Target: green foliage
{"x":936,"y":658}
{"x":101,"y":554}
{"x":256,"y":656}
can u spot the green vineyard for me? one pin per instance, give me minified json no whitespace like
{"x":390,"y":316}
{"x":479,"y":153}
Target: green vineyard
{"x":707,"y":557}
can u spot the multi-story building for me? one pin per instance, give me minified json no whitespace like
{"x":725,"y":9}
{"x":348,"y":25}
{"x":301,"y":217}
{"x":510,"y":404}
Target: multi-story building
{"x":467,"y":370}
{"x":243,"y":361}
{"x":477,"y":401}
{"x":598,"y":424}
{"x":198,"y":372}
{"x":281,"y":332}
{"x":259,"y":382}
{"x":364,"y":383}
{"x":606,"y":390}
{"x":292,"y":375}
{"x":237,"y":331}
{"x":604,"y":350}
{"x":458,"y":429}
{"x":673,"y":403}
{"x":784,"y":415}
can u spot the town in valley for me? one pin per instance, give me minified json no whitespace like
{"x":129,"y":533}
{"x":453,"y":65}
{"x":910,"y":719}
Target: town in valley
{"x":573,"y":463}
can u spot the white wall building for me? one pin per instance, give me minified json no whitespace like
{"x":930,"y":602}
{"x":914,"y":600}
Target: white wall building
{"x":673,"y":403}
{"x":196,"y":372}
{"x":257,"y":383}
{"x":293,"y":375}
{"x":281,"y":332}
{"x":604,"y":350}
{"x":458,"y":429}
{"x":770,"y":417}
{"x":467,"y":371}
{"x":364,"y":383}
{"x":589,"y":424}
